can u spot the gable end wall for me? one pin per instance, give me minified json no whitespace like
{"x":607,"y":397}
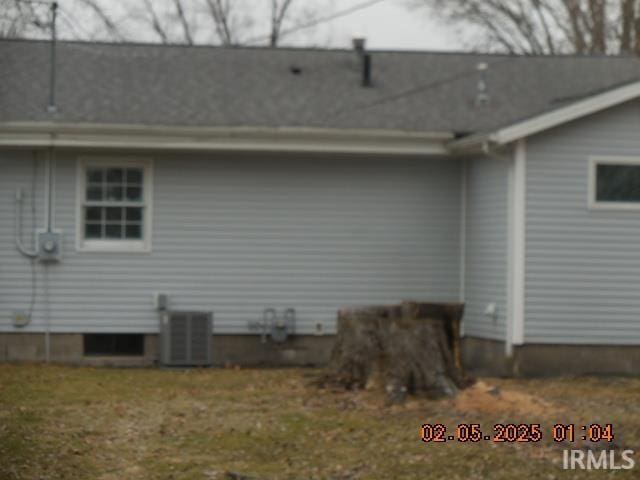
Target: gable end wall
{"x":582,"y":275}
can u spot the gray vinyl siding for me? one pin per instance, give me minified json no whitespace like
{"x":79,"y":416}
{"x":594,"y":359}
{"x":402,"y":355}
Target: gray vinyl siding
{"x":486,"y":259}
{"x":582,"y":266}
{"x":237,"y":234}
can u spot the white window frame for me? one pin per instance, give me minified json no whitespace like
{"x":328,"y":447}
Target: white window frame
{"x":594,"y":204}
{"x":144,"y":245}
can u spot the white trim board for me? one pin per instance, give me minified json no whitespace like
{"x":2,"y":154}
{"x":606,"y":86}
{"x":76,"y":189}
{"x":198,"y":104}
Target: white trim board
{"x":516,"y":264}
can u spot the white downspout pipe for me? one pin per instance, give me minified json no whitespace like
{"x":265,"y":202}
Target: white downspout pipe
{"x":514,"y":329}
{"x":463,"y":238}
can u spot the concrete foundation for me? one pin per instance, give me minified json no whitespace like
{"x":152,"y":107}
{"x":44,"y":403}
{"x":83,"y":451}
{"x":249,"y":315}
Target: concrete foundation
{"x":300,"y":351}
{"x":67,"y":348}
{"x":243,"y":350}
{"x":487,"y":357}
{"x":551,"y":360}
{"x":480,"y":356}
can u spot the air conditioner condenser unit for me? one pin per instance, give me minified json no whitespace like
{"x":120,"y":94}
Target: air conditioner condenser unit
{"x":185,"y":338}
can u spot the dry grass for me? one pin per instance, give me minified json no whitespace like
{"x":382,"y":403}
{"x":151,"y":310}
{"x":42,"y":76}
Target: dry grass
{"x":86,"y":423}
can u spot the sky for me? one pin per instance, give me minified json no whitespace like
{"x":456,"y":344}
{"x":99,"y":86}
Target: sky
{"x":386,"y":24}
{"x":390,"y":24}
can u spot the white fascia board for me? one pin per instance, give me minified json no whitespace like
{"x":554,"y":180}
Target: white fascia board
{"x":222,"y":139}
{"x":537,"y":124}
{"x":566,"y":114}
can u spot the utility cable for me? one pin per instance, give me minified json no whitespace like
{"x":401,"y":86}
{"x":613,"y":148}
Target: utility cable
{"x":416,"y":89}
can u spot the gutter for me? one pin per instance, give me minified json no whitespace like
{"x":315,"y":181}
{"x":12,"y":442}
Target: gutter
{"x":476,"y":143}
{"x":247,"y":139}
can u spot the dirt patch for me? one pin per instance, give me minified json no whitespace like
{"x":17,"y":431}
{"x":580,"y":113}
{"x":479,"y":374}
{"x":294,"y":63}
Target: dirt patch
{"x":492,"y":400}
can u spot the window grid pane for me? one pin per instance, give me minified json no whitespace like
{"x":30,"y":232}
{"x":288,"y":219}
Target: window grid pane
{"x":110,"y":196}
{"x":93,"y":230}
{"x":115,"y":175}
{"x":114,"y":185}
{"x":94,"y":175}
{"x":134,"y":176}
{"x":133,"y":231}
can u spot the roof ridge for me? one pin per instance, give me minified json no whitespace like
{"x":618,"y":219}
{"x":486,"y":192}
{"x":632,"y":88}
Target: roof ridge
{"x":140,"y":44}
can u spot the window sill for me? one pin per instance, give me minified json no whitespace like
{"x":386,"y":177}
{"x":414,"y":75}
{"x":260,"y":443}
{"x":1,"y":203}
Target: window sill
{"x":114,"y":246}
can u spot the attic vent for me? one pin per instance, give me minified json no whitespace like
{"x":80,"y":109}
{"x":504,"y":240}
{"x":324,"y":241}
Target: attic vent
{"x":186,"y":338}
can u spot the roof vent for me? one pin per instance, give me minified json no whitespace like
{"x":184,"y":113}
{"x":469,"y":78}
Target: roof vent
{"x":359,"y":45}
{"x":482,"y":97}
{"x":366,"y":70}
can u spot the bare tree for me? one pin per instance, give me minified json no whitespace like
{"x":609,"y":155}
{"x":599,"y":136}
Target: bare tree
{"x":279,"y":11}
{"x":220,"y":11}
{"x":101,"y":16}
{"x":547,"y":26}
{"x":18,"y":17}
{"x":226,"y":22}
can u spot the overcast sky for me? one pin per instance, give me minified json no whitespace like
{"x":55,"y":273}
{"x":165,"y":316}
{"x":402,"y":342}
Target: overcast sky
{"x":387,"y":24}
{"x":390,"y":24}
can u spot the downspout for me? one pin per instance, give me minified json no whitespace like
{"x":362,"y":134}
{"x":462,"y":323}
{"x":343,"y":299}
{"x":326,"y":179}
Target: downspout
{"x":508,"y":336}
{"x":463,"y":238}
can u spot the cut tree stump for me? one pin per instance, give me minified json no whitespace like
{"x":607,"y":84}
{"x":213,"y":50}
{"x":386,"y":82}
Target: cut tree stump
{"x":412,"y":348}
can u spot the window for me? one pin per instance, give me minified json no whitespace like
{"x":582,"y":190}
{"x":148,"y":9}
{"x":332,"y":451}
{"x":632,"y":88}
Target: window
{"x":114,"y":344}
{"x":615,"y":183}
{"x":114,"y":211}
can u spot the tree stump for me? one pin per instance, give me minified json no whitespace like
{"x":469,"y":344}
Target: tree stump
{"x":412,"y":348}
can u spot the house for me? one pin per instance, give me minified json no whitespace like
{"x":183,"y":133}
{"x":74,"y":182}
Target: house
{"x":274,"y":186}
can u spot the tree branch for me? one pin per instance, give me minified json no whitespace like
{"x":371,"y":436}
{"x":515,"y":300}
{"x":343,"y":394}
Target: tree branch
{"x":183,"y":21}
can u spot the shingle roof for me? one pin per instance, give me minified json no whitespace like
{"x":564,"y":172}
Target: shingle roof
{"x":217,"y":86}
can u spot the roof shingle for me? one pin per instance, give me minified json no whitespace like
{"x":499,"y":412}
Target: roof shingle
{"x":218,"y":86}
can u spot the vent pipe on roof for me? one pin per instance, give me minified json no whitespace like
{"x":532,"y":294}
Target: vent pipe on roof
{"x":359,"y":45}
{"x":51,"y":107}
{"x":482,"y":96}
{"x":366,"y":70}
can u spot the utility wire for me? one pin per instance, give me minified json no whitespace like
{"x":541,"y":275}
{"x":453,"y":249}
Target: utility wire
{"x":318,"y":21}
{"x":415,"y":90}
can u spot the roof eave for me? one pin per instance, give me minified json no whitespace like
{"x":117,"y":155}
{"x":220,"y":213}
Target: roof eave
{"x":548,"y":120}
{"x":177,"y":138}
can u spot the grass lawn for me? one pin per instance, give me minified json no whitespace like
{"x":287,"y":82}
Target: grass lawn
{"x":88,"y":423}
